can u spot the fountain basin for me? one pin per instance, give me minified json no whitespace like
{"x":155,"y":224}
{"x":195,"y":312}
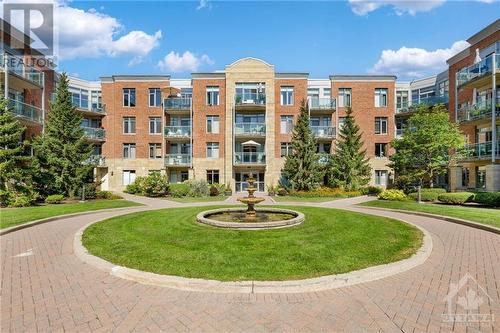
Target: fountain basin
{"x":235,"y":218}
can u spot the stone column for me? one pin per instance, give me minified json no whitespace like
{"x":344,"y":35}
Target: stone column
{"x":456,"y":178}
{"x":493,"y":177}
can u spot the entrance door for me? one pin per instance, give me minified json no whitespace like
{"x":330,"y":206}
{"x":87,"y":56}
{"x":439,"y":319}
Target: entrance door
{"x":242,"y":180}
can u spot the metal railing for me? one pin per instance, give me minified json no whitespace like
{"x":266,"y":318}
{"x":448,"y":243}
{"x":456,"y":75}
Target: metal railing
{"x":178,"y":131}
{"x":178,"y":159}
{"x":431,"y":100}
{"x":250,"y":98}
{"x":98,"y":160}
{"x":249,"y":158}
{"x":26,"y":111}
{"x":94,"y":133}
{"x":482,"y":150}
{"x":323,"y":131}
{"x":258,"y":129}
{"x":477,"y":111}
{"x":483,"y":67}
{"x":322,"y":103}
{"x":177,"y":103}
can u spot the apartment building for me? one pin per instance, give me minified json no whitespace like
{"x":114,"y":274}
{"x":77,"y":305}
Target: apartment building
{"x":27,"y":80}
{"x":475,"y":105}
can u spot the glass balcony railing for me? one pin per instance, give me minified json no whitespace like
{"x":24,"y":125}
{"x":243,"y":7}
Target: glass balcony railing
{"x":94,"y":133}
{"x":250,"y":98}
{"x":431,"y":100}
{"x":178,"y":159}
{"x":28,"y":73}
{"x":249,"y":158}
{"x":476,"y":112}
{"x":98,"y":108}
{"x":257,"y":129}
{"x":178,"y":131}
{"x":323,"y":103}
{"x":480,"y":69}
{"x":26,"y":111}
{"x":98,"y":160}
{"x":402,"y":107}
{"x":323,"y":131}
{"x":177,"y":103}
{"x":481,"y":151}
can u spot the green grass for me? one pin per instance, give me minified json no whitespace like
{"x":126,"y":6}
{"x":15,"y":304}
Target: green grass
{"x":197,"y":199}
{"x":488,"y":216}
{"x":291,"y":198}
{"x":13,"y":216}
{"x":169,"y":241}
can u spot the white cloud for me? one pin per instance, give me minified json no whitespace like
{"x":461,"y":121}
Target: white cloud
{"x":363,"y":7}
{"x":415,"y":62}
{"x":204,"y":4}
{"x":89,"y":33}
{"x":175,"y":62}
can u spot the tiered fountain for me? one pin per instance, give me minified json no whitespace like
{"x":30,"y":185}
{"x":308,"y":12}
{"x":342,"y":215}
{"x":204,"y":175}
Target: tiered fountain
{"x":251,"y":219}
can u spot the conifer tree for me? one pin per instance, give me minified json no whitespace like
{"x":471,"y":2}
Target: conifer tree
{"x":349,"y":166}
{"x":302,"y":170}
{"x":62,"y":151}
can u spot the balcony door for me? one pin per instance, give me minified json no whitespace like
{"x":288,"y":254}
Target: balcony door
{"x":242,"y":180}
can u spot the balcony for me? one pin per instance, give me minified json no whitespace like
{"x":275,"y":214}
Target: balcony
{"x":250,"y":101}
{"x":249,"y":158}
{"x":477,"y":112}
{"x":250,"y":129}
{"x":474,"y":74}
{"x":323,"y":132}
{"x":177,"y":104}
{"x":322,"y":104}
{"x":178,"y":132}
{"x":28,"y":113}
{"x":94,"y":133}
{"x":30,"y":75}
{"x":481,"y":151}
{"x":426,"y":101}
{"x":97,"y":160}
{"x":178,"y":160}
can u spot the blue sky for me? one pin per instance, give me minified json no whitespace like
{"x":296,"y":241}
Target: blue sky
{"x":321,"y":38}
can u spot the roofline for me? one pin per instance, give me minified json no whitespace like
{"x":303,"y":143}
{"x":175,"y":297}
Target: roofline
{"x":363,"y":77}
{"x":209,"y":75}
{"x":134,"y":77}
{"x":292,"y":75}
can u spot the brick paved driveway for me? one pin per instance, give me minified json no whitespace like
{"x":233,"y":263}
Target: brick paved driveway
{"x":44,"y":287}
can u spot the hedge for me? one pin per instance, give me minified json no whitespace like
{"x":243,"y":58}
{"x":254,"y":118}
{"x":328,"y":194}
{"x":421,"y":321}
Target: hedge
{"x":488,"y":198}
{"x":456,"y":198}
{"x":393,"y":195}
{"x":54,"y":199}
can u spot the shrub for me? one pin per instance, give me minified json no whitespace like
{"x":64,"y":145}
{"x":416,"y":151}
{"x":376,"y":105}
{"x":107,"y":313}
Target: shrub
{"x":282,"y":191}
{"x":327,"y":192}
{"x":90,"y":190}
{"x":107,"y":195}
{"x":54,"y":199}
{"x":179,"y":190}
{"x":427,"y":194}
{"x":154,"y":185}
{"x":6,"y":197}
{"x":372,"y":190}
{"x":456,"y":198}
{"x":214,"y":191}
{"x":393,"y":195}
{"x":488,"y":198}
{"x":198,"y":188}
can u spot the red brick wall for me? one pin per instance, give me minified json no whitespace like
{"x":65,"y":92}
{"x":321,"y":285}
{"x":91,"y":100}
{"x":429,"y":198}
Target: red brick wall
{"x":112,"y":97}
{"x":200,"y":112}
{"x":364,"y":110}
{"x":300,"y":93}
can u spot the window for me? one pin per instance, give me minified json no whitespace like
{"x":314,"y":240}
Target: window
{"x":129,"y":150}
{"x":128,"y":177}
{"x":212,"y":150}
{"x":154,"y":97}
{"x":155,"y":150}
{"x":286,"y":124}
{"x":212,"y":95}
{"x":380,"y":125}
{"x":401,"y":100}
{"x":213,"y":176}
{"x":342,"y":121}
{"x":345,"y":97}
{"x":444,"y":88}
{"x":79,"y":98}
{"x":213,"y":124}
{"x":381,"y":177}
{"x":155,"y":125}
{"x":96,"y":100}
{"x":327,"y":92}
{"x":129,"y":97}
{"x":286,"y":95}
{"x":286,"y":149}
{"x":128,"y":125}
{"x":381,"y":97}
{"x":381,"y":150}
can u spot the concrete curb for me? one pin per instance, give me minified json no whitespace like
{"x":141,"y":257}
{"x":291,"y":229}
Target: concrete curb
{"x":58,"y":217}
{"x":440,"y":217}
{"x":253,"y":287}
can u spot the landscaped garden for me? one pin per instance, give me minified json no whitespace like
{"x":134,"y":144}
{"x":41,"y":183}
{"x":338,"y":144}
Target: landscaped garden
{"x":170,"y":241}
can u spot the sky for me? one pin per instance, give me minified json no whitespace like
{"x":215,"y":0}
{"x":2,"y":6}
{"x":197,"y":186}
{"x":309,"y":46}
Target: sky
{"x":408,"y":38}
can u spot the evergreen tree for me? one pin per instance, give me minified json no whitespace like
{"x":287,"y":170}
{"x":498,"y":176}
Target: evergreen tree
{"x":349,"y":166}
{"x":302,"y":170}
{"x":15,"y":164}
{"x":62,"y":151}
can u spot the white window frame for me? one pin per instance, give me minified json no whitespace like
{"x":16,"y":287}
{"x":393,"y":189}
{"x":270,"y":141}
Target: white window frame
{"x":287,"y":95}
{"x":155,"y":93}
{"x":155,"y":124}
{"x":156,"y":149}
{"x":286,"y":124}
{"x":213,"y":124}
{"x":127,"y":125}
{"x":129,"y":92}
{"x":128,"y":177}
{"x":288,"y":149}
{"x":210,"y":176}
{"x":379,"y":101}
{"x":212,"y":95}
{"x":212,"y":150}
{"x":380,"y":127}
{"x":132,"y":151}
{"x":384,"y":151}
{"x":343,"y":100}
{"x":379,"y":175}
